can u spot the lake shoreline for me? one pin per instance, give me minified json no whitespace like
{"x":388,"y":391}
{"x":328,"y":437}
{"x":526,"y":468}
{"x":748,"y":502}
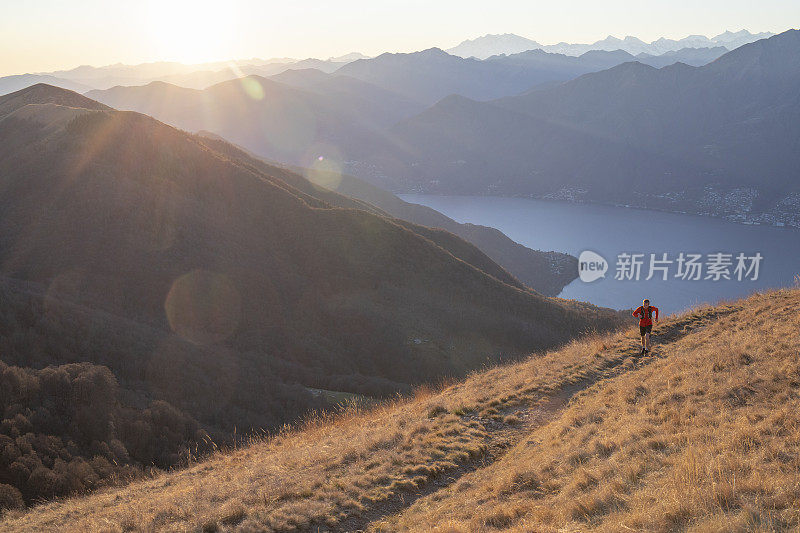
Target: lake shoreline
{"x":609,"y":230}
{"x":726,"y":218}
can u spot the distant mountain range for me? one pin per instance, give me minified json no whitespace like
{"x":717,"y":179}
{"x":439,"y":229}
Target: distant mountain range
{"x":197,"y":76}
{"x":490,"y":45}
{"x":384,"y":89}
{"x":454,"y":79}
{"x":431,"y":75}
{"x":719,"y":139}
{"x":597,"y":127}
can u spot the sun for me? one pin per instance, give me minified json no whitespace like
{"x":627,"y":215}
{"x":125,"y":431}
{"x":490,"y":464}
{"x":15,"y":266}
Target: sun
{"x":191,"y":31}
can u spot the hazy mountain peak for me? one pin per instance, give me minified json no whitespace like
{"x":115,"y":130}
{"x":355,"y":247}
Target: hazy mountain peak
{"x":347,"y":58}
{"x":427,"y":53}
{"x":618,"y":53}
{"x":51,"y":116}
{"x":728,"y":34}
{"x":735,"y":39}
{"x":256,"y":86}
{"x":632,"y":66}
{"x":161,"y":85}
{"x":678,"y":66}
{"x":42,"y":93}
{"x":307,"y":74}
{"x":434,"y":51}
{"x":454,"y":100}
{"x":493,"y":44}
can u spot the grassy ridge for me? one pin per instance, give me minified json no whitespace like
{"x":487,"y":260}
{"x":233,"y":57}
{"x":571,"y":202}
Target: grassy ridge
{"x":707,"y":438}
{"x":578,"y":438}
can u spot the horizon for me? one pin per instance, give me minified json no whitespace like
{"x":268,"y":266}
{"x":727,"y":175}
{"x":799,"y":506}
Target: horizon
{"x":277,"y":59}
{"x":52,"y":37}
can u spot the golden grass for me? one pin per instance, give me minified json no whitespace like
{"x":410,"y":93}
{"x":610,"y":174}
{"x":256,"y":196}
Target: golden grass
{"x":706,"y":437}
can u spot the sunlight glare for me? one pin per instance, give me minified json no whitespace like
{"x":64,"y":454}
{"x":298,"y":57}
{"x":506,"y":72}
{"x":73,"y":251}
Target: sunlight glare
{"x":191,"y":31}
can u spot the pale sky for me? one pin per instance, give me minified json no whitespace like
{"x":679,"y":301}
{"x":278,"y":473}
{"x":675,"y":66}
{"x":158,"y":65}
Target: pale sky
{"x":46,"y":35}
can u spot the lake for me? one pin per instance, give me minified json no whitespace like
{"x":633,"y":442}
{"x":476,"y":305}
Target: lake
{"x":611,"y":231}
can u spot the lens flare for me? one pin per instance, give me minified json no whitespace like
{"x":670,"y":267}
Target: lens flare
{"x":325,"y":168}
{"x":203,"y":307}
{"x":253,"y":88}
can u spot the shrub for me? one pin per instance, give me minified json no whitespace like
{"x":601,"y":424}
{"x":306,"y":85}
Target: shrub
{"x":10,"y":497}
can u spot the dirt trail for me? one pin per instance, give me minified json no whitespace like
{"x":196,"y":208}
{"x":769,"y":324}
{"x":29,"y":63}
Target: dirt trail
{"x":501,"y":437}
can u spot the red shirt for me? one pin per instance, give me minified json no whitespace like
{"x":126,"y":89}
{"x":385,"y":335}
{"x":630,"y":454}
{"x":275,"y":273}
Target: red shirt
{"x":644,"y":318}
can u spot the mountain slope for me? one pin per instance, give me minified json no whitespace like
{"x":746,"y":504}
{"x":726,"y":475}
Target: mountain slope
{"x":695,"y":57}
{"x":275,"y":120}
{"x":545,"y":272}
{"x":430,"y":75}
{"x":90,"y":398}
{"x":460,"y":146}
{"x":705,"y":437}
{"x":586,"y":437}
{"x":43,"y":94}
{"x":384,"y":107}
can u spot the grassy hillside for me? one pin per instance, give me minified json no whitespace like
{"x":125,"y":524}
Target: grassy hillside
{"x":212,"y":296}
{"x":703,"y":435}
{"x":545,"y":272}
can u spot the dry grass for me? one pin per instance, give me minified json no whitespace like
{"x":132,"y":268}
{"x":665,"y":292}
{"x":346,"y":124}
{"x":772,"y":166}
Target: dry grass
{"x":706,"y":437}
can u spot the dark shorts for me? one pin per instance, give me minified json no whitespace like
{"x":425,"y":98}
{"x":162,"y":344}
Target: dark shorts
{"x":645,"y":329}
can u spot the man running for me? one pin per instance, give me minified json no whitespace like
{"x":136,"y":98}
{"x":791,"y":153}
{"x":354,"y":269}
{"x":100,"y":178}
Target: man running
{"x":645,"y":315}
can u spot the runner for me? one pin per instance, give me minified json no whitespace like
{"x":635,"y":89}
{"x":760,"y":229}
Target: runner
{"x":645,"y":315}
